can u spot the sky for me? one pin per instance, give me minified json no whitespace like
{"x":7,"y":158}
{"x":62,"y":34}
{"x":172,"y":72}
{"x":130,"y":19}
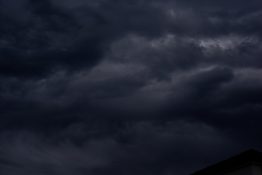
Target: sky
{"x":128,"y":87}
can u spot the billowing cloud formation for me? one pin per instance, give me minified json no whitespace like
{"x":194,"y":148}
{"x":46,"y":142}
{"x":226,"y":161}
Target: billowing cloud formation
{"x":137,"y":149}
{"x":127,"y":87}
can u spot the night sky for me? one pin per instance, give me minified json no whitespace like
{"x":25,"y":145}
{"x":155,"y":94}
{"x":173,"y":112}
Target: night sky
{"x":128,"y":87}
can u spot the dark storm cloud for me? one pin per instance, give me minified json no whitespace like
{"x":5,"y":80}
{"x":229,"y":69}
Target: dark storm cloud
{"x":46,"y":40}
{"x":48,"y":34}
{"x":148,"y":148}
{"x":127,"y":87}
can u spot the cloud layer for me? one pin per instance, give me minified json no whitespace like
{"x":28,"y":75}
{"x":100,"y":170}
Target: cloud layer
{"x":127,"y":87}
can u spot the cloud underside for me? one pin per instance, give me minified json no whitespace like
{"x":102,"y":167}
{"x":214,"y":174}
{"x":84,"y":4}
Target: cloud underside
{"x":127,"y":87}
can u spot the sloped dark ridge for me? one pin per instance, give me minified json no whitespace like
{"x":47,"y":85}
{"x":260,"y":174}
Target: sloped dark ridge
{"x":243,"y":159}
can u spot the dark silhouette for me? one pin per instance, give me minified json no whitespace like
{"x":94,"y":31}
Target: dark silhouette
{"x":246,"y":163}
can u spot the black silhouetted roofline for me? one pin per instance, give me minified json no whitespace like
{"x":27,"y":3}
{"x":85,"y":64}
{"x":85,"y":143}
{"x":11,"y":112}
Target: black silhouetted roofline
{"x":241,"y":160}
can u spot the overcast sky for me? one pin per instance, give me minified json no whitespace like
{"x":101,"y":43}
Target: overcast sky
{"x":128,"y":87}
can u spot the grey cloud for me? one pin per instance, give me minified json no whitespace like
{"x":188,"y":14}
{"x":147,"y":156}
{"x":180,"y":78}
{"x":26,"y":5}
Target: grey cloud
{"x":134,"y":148}
{"x":127,"y":87}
